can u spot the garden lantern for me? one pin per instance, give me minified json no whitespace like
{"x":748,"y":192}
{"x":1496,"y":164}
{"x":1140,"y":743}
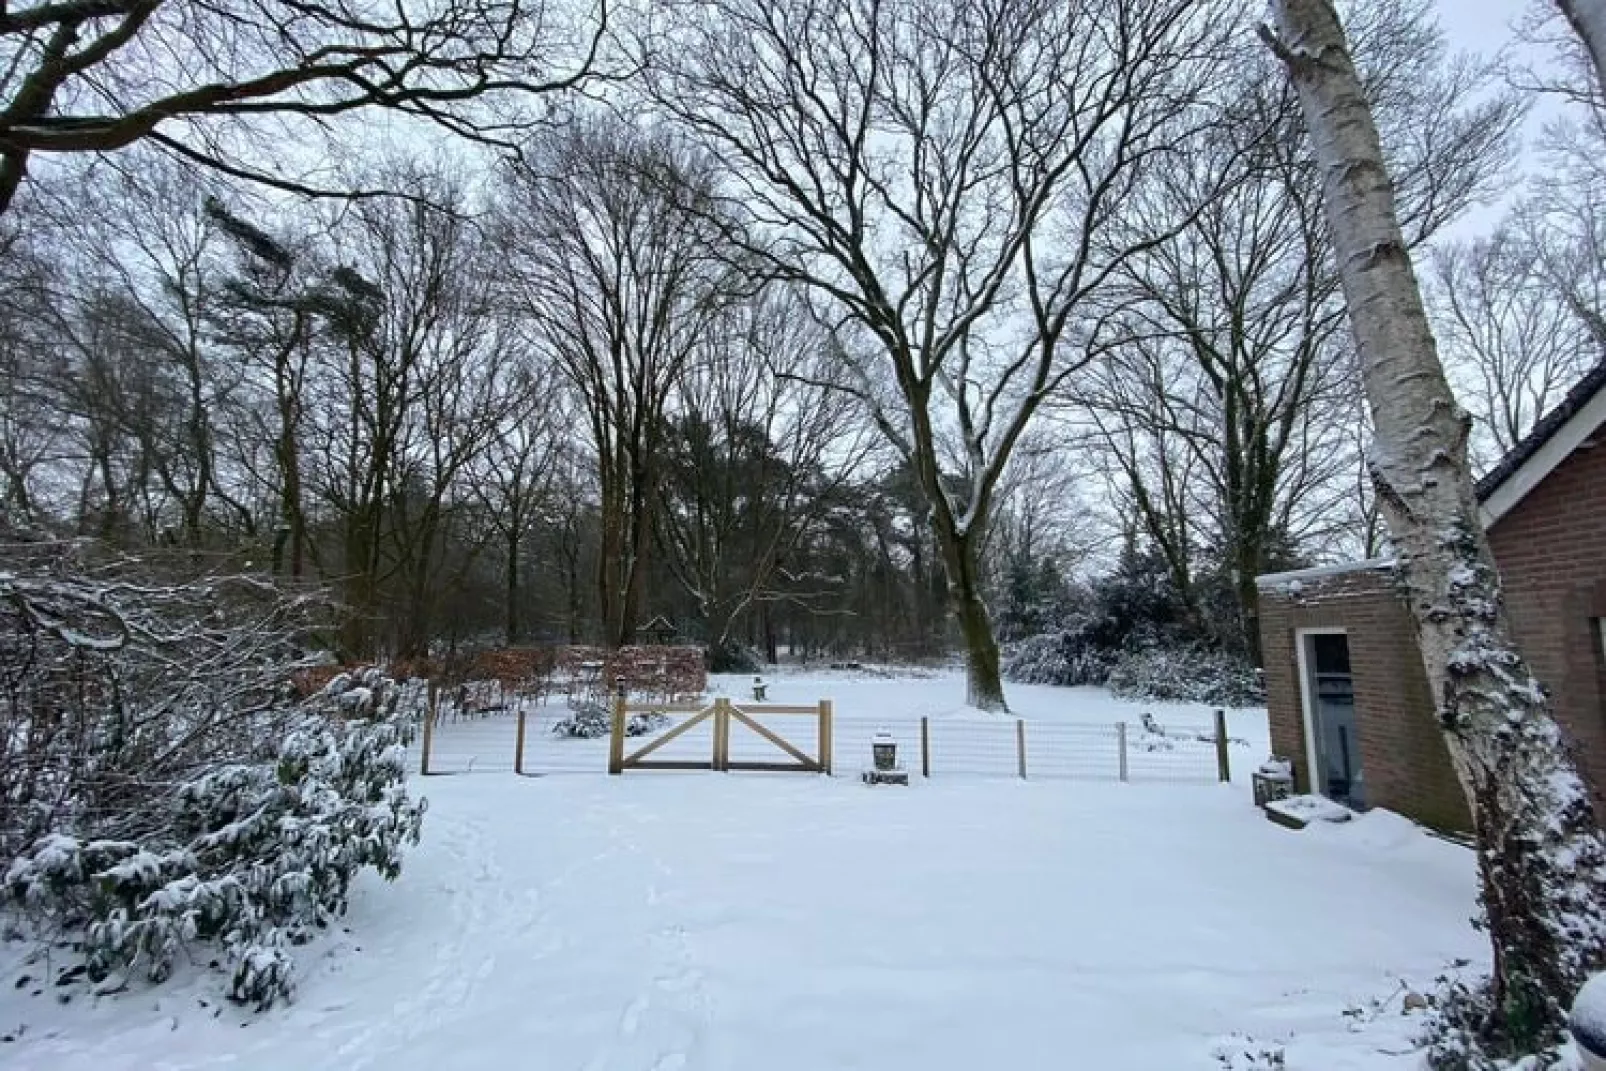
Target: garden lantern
{"x":884,"y":758}
{"x":884,"y":750}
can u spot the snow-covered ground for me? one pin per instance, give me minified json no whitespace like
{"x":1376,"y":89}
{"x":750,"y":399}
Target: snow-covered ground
{"x":663,"y":921}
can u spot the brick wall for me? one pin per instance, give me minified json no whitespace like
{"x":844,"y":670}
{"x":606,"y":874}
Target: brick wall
{"x":1551,"y":549}
{"x":1403,"y":758}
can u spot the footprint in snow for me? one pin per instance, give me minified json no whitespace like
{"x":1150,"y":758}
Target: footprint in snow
{"x":631,"y":1019}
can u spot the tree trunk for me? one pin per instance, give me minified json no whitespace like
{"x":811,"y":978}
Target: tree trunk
{"x":610,"y":552}
{"x":1249,"y":614}
{"x":638,"y":536}
{"x":288,"y":449}
{"x":984,"y":682}
{"x":513,"y":540}
{"x":1588,"y":20}
{"x":1541,"y":857}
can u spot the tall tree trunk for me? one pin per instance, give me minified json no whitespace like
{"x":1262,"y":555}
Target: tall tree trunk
{"x":638,"y":535}
{"x":1249,"y":563}
{"x":984,"y":682}
{"x":288,"y":451}
{"x":1541,"y":857}
{"x":767,"y":628}
{"x":610,"y":552}
{"x":1588,"y":20}
{"x":513,"y":630}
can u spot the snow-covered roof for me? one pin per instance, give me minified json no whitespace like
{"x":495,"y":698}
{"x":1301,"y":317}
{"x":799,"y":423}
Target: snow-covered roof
{"x":1318,"y":572}
{"x":1558,"y":433}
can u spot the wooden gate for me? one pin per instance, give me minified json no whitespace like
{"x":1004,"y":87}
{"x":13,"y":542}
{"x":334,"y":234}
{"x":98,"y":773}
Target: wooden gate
{"x":725,"y":715}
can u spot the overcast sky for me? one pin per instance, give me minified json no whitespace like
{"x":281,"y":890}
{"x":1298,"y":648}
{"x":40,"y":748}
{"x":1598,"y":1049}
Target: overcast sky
{"x":1484,"y":25}
{"x":1487,"y":27}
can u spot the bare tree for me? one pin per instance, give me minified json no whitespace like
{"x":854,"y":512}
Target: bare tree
{"x":947,"y":179}
{"x":615,"y":264}
{"x":1516,"y":346}
{"x":515,"y":476}
{"x":1541,"y":855}
{"x":1236,"y":346}
{"x":100,"y":75}
{"x":402,"y":395}
{"x":31,"y":365}
{"x":269,"y":316}
{"x":754,"y":448}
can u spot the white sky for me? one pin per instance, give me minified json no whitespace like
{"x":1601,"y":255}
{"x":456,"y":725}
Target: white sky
{"x":1488,"y":27}
{"x":1480,"y":25}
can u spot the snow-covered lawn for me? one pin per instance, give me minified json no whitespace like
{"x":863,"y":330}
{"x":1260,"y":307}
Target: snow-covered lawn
{"x":718,"y":922}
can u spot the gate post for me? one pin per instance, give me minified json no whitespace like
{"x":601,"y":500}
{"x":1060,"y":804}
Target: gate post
{"x":722,"y":734}
{"x":429,"y":729}
{"x":1120,"y":734}
{"x":1020,"y":745}
{"x":925,"y":747}
{"x":616,"y":742}
{"x":827,"y":737}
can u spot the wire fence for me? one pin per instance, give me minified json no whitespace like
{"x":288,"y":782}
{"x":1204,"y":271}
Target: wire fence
{"x":1140,"y":751}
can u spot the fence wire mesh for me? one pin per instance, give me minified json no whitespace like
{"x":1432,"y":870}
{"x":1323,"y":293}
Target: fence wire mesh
{"x":483,"y":737}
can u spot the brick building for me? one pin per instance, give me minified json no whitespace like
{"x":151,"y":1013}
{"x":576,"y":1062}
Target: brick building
{"x":1345,"y":689}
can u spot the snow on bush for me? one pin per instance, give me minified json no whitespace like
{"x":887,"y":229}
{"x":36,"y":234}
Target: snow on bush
{"x":164,"y":781}
{"x":1186,"y":674}
{"x":588,"y":720}
{"x":252,"y":856}
{"x":1064,"y":658}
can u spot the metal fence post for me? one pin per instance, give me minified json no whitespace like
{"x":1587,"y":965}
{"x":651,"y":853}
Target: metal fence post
{"x":1120,"y":736}
{"x":1020,"y":745}
{"x":1223,"y":760}
{"x":925,"y":747}
{"x":518,"y":744}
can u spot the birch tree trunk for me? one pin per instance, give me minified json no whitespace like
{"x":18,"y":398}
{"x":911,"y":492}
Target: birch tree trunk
{"x":1541,"y":857}
{"x":1588,"y":20}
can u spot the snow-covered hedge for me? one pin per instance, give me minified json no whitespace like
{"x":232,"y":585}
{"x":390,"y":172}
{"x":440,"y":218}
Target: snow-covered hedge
{"x":1063,"y":658}
{"x":251,"y":856}
{"x":589,"y":720}
{"x":1187,"y":674}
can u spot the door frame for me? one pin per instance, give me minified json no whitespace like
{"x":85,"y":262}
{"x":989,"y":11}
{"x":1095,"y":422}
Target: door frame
{"x":1307,"y":694}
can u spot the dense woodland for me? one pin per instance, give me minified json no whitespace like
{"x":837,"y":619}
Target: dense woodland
{"x":542,"y":399}
{"x":1008,"y":329}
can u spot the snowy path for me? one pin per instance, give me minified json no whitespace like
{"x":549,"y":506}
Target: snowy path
{"x":730,"y":923}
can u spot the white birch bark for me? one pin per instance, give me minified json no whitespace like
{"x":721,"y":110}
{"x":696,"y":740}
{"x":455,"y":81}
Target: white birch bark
{"x":1588,"y":20}
{"x":1542,"y":860}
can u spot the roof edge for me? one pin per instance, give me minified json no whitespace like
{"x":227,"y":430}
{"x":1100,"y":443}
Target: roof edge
{"x":1321,"y":572}
{"x":1531,"y":450}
